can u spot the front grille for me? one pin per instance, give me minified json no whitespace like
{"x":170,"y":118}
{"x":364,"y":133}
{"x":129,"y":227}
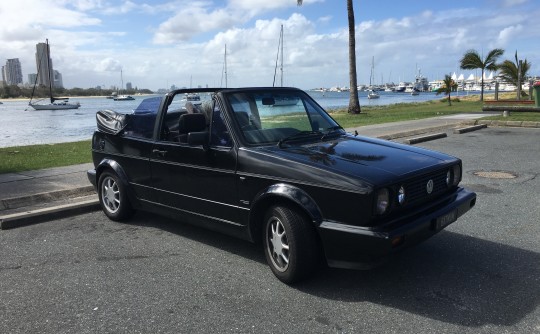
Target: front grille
{"x":416,"y":189}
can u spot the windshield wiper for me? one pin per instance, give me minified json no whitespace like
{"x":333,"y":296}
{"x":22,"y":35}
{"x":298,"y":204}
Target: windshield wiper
{"x":332,"y":131}
{"x":298,"y":135}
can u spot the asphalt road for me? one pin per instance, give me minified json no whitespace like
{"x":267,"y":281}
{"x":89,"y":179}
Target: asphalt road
{"x":87,"y":274}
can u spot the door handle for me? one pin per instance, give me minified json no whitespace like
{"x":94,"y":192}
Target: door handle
{"x":159,"y":152}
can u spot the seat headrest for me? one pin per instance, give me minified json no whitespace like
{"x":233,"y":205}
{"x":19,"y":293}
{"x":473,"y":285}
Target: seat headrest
{"x":191,"y":123}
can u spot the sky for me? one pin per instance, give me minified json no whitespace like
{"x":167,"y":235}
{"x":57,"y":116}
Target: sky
{"x":158,"y":43}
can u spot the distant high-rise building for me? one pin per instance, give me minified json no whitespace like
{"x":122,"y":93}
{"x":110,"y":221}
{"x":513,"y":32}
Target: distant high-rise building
{"x":12,"y":73}
{"x":57,"y":82}
{"x":43,"y":64}
{"x":129,"y":86}
{"x":32,"y":78}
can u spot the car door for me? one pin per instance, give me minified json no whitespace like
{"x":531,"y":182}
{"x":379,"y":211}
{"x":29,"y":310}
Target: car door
{"x":199,"y":183}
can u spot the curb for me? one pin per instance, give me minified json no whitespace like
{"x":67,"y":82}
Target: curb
{"x":41,"y":215}
{"x":415,"y":132}
{"x":425,"y":138}
{"x":19,"y":202}
{"x":470,"y":128}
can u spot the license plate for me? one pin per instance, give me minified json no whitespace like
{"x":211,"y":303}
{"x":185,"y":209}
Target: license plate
{"x":445,"y":220}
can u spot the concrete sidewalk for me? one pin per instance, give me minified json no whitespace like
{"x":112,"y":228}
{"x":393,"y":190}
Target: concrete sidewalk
{"x":35,"y":196}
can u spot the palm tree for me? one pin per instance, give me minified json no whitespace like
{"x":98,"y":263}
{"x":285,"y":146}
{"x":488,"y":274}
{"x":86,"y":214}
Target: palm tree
{"x":448,"y":86}
{"x":354,"y":103}
{"x":471,"y":60}
{"x":512,"y":73}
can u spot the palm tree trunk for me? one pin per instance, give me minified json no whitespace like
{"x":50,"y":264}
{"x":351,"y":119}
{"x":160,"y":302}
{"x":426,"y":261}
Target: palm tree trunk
{"x":354,"y":103}
{"x":482,"y":87}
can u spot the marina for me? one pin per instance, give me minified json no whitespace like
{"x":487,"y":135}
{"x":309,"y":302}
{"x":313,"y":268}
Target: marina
{"x":21,"y":125}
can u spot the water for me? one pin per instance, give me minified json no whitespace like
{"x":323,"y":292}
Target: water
{"x":21,"y":125}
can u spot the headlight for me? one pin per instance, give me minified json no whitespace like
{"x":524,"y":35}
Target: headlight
{"x":449,"y":179}
{"x":383,"y":201}
{"x":456,"y":173}
{"x":401,"y":195}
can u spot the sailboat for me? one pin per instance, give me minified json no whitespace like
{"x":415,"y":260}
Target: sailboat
{"x":282,"y":100}
{"x":372,"y":94}
{"x":62,"y":103}
{"x":123,"y":97}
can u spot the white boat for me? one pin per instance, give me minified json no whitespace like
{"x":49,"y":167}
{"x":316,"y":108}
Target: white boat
{"x":124,"y":98}
{"x":401,"y":87}
{"x":373,"y":95}
{"x":56,"y":106}
{"x":63,"y":102}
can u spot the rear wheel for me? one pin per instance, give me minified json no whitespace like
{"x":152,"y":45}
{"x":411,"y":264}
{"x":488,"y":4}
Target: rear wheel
{"x":113,"y":197}
{"x":290,"y":244}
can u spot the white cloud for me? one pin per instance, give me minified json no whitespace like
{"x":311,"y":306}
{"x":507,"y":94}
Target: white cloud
{"x":508,"y":33}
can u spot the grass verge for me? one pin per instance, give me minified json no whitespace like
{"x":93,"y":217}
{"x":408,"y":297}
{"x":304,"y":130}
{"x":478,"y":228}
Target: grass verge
{"x":403,"y":112}
{"x":21,"y":158}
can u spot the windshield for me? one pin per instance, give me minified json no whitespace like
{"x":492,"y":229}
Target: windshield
{"x":274,"y":115}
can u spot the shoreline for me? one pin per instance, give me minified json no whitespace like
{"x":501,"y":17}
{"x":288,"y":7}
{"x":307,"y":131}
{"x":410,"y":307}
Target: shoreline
{"x":18,"y":99}
{"x":469,"y":97}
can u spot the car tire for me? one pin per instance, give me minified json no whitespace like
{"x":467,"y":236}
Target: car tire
{"x":113,"y":197}
{"x":290,"y":244}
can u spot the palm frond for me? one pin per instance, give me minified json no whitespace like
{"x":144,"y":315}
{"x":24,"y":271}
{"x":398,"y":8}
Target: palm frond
{"x":471,"y":60}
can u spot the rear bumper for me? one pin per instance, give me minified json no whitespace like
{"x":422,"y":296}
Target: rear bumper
{"x":356,"y":247}
{"x":91,"y":174}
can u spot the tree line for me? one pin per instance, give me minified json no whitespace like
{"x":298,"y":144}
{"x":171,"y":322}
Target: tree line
{"x":14,"y":91}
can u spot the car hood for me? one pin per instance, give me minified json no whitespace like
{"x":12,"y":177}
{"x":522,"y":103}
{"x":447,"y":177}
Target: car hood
{"x":366,"y":158}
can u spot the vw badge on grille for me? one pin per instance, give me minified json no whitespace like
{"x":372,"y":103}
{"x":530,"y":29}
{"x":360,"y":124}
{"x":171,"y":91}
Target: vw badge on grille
{"x":429,"y":186}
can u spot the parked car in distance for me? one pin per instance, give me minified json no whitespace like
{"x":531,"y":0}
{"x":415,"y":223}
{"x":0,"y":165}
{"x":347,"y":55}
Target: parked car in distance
{"x":270,"y":165}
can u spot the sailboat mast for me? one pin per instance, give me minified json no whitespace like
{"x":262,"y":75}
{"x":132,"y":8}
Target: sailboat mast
{"x":281,"y":65}
{"x":224,"y":73}
{"x":122,"y":81}
{"x":371,"y":75}
{"x":280,"y":51}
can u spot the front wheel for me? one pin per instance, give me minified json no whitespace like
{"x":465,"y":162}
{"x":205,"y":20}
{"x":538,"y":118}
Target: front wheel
{"x":290,"y":244}
{"x":113,"y":197}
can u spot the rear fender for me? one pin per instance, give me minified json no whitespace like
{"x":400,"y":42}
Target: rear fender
{"x":122,"y":176}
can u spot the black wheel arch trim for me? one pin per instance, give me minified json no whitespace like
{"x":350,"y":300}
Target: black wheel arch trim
{"x":276,"y":193}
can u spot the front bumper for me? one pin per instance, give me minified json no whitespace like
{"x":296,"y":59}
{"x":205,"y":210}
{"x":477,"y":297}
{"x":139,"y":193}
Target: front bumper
{"x":357,"y":247}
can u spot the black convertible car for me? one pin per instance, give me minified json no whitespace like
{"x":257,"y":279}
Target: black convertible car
{"x":270,"y":165}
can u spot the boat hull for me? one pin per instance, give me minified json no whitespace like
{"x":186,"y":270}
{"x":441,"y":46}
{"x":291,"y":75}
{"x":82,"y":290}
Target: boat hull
{"x":55,"y":106}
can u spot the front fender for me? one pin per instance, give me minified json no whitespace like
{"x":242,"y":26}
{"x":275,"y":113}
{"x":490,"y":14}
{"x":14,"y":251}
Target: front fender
{"x":280,"y":193}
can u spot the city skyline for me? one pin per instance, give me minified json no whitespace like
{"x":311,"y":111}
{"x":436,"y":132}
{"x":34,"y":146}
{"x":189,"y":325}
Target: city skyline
{"x":163,"y":43}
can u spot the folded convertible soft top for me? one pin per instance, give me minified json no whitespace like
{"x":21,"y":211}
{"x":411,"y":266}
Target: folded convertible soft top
{"x":110,"y":121}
